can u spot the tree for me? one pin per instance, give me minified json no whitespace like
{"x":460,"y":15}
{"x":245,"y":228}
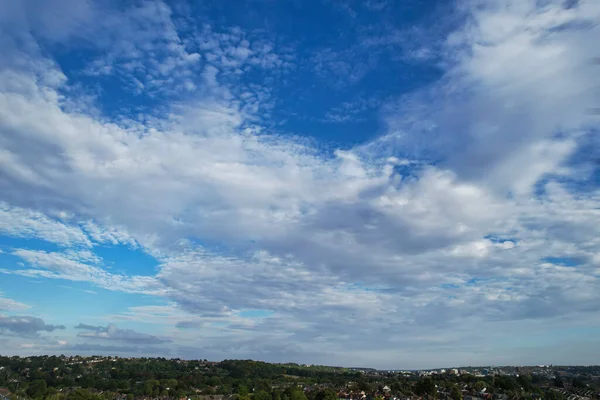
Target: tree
{"x":326,"y":394}
{"x":364,"y":386}
{"x":553,"y":395}
{"x":396,"y":387}
{"x":455,"y":393}
{"x":524,"y":381}
{"x":224,"y":389}
{"x":578,"y":383}
{"x":263,"y":384}
{"x":83,"y":394}
{"x":214,"y":381}
{"x":150,"y":386}
{"x":425,"y":386}
{"x":558,"y":382}
{"x":171,"y":383}
{"x":293,"y":393}
{"x":298,"y":395}
{"x":122,"y":384}
{"x":111,"y":385}
{"x":242,"y":390}
{"x":505,"y":383}
{"x":261,"y":395}
{"x":480,"y":385}
{"x":37,"y":389}
{"x":208,"y":390}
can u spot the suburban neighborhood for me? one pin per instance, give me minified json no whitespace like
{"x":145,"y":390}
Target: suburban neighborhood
{"x":98,"y":377}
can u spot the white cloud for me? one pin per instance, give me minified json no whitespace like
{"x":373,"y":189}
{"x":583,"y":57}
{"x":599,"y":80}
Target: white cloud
{"x":72,"y":266}
{"x":7,"y":304}
{"x":25,"y":326}
{"x":511,"y":109}
{"x":59,"y":227}
{"x":20,"y":222}
{"x":111,"y":332}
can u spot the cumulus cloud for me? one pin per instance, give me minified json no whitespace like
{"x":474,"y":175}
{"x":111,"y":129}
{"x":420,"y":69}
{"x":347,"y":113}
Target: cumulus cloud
{"x":514,"y":98}
{"x":25,"y":325}
{"x":111,"y":332}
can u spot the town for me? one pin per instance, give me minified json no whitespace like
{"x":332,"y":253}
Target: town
{"x":104,"y":378}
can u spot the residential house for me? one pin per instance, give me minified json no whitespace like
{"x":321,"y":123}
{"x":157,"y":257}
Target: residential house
{"x":4,"y":394}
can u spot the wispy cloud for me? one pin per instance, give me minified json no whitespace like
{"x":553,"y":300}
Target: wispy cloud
{"x":111,"y":332}
{"x":7,"y":304}
{"x":350,"y":111}
{"x":71,"y":266}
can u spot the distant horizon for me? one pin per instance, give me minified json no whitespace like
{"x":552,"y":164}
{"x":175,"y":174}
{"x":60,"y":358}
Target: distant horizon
{"x":308,"y":365}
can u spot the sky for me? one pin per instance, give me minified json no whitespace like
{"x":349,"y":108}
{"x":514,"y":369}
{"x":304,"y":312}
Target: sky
{"x":390,"y":184}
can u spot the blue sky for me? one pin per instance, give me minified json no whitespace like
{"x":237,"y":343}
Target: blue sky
{"x":409,"y":184}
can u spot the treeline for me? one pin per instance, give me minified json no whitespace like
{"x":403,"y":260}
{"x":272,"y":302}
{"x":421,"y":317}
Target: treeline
{"x":58,"y":378}
{"x":245,"y":369}
{"x":52,"y":377}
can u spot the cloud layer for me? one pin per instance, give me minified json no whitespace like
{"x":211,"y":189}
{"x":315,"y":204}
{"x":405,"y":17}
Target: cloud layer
{"x":475,"y":211}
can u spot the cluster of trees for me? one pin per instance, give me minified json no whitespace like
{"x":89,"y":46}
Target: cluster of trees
{"x":57,"y":378}
{"x":53,"y":377}
{"x":523,"y":387}
{"x":249,"y":369}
